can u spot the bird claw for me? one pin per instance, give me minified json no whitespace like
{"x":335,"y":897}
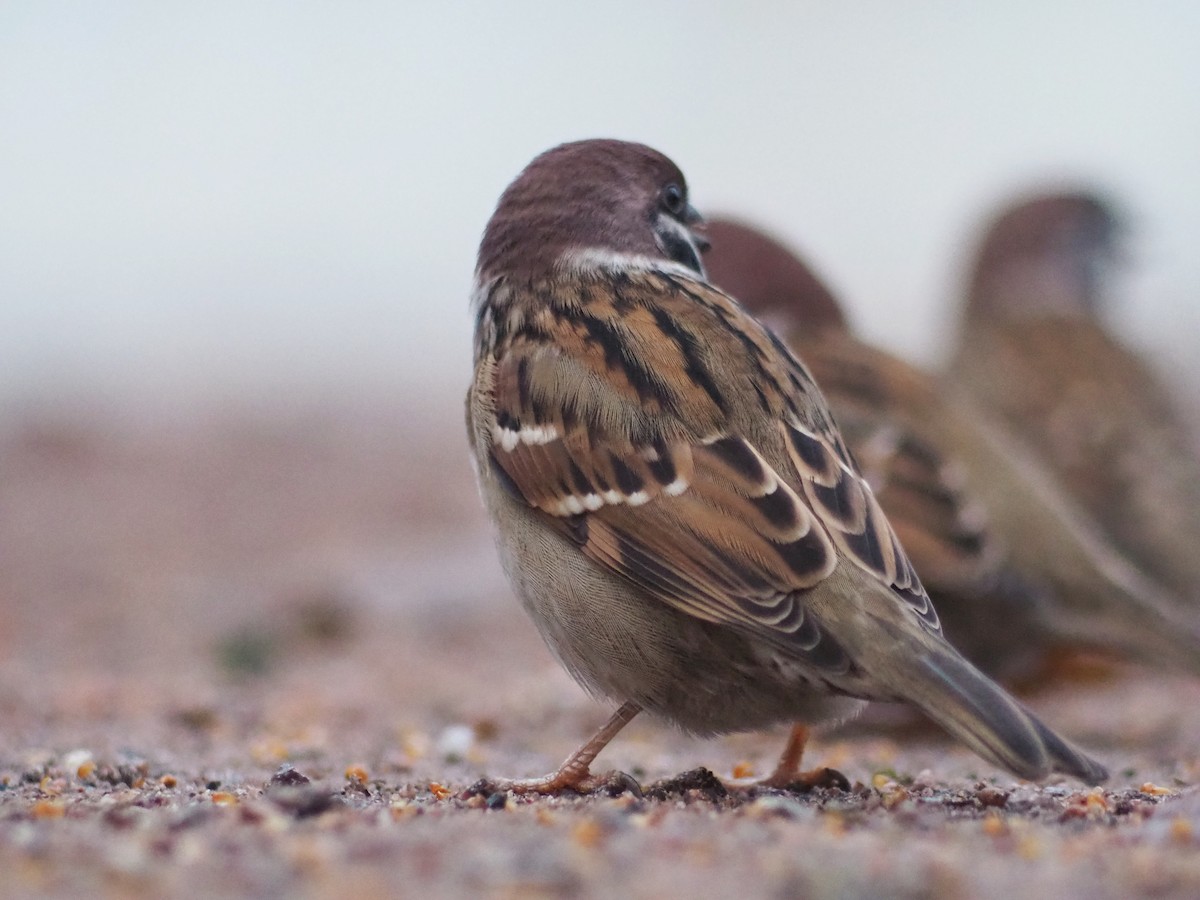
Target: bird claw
{"x":611,"y":783}
{"x":803,"y":782}
{"x":616,"y":783}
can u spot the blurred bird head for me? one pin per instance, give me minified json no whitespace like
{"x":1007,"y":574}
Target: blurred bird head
{"x":768,"y":279}
{"x":1049,"y":254}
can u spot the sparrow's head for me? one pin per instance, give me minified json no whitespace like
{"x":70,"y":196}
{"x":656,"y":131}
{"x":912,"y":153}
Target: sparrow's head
{"x":768,"y":279}
{"x":1048,"y":255}
{"x":589,"y":203}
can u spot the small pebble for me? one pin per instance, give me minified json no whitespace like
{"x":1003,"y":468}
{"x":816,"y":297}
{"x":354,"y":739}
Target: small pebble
{"x":455,"y":742}
{"x":991,"y":797}
{"x":77,"y":759}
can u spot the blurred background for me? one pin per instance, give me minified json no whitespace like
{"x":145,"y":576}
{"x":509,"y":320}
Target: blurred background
{"x":279,"y":201}
{"x":237,"y":242}
{"x":238,"y":522}
{"x":238,"y":526}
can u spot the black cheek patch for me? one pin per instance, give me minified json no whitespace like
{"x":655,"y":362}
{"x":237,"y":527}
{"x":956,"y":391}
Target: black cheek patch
{"x":680,"y":250}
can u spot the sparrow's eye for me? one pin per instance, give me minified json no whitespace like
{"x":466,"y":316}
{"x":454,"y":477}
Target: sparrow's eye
{"x":673,"y":200}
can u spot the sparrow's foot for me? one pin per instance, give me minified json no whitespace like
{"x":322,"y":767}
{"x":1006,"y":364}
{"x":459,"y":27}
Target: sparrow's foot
{"x":574,"y":774}
{"x":802,"y":782}
{"x":787,"y":775}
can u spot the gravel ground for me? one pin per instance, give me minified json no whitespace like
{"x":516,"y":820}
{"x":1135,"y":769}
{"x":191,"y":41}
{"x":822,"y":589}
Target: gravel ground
{"x":270,"y":656}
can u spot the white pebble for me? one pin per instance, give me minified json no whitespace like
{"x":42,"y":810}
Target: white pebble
{"x":455,"y":741}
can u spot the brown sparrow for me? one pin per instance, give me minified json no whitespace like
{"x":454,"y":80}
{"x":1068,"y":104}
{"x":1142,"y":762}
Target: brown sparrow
{"x":1034,"y":352}
{"x":674,"y":505}
{"x":1016,"y":569}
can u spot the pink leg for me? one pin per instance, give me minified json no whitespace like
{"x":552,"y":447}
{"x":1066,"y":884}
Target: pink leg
{"x":575,"y":773}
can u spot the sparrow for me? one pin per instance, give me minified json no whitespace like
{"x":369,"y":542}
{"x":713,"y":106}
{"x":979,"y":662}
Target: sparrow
{"x":1034,"y":351}
{"x":1017,"y":570}
{"x":673,"y":504}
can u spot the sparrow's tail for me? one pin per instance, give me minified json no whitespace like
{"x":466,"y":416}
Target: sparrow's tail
{"x":977,"y":711}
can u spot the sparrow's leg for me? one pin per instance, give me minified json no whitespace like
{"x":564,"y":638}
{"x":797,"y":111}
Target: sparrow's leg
{"x":787,"y":774}
{"x":575,"y":773}
{"x":787,"y":770}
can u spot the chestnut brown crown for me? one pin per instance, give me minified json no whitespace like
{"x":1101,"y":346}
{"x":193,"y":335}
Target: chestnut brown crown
{"x":1048,"y":254}
{"x":767,"y":278}
{"x":591,"y":200}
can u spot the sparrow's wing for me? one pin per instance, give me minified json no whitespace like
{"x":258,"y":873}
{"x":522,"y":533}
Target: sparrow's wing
{"x":889,"y":415}
{"x":703,"y":521}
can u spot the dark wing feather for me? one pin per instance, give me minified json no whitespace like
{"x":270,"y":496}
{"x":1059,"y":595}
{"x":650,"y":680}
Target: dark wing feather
{"x":707,"y":526}
{"x":886,"y":409}
{"x":846,"y":506}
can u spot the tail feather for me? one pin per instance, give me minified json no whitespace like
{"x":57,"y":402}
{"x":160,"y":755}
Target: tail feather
{"x":983,"y":716}
{"x":1066,"y":758}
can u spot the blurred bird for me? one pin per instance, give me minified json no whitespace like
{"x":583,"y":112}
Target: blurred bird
{"x":673,"y":504}
{"x":1015,"y":568}
{"x":1034,"y":352}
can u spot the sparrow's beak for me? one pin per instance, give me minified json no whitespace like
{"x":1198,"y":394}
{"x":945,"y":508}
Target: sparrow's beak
{"x":679,"y":240}
{"x":693,"y":218}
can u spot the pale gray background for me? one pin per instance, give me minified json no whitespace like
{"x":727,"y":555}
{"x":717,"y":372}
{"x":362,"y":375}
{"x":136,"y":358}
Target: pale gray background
{"x":226,"y":199}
